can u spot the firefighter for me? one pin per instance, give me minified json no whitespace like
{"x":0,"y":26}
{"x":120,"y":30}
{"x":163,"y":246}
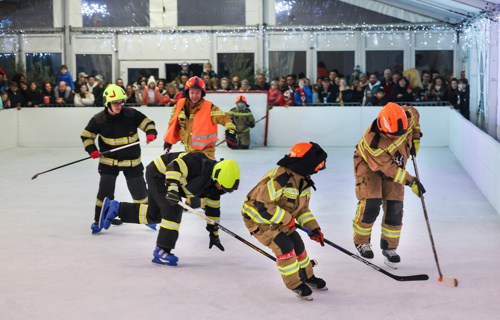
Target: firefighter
{"x":379,"y":168}
{"x":116,"y":126}
{"x":170,"y":177}
{"x":194,"y":121}
{"x":280,"y":199}
{"x":243,"y":120}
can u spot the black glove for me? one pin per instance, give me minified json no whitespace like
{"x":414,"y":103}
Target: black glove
{"x":414,"y":147}
{"x":318,"y":236}
{"x":214,"y":238}
{"x":231,"y":140}
{"x":417,"y":187}
{"x":166,"y":147}
{"x":173,"y":194}
{"x":251,"y":124}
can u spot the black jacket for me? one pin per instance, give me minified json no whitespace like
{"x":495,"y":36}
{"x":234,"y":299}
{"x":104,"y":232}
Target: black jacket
{"x":331,"y":94}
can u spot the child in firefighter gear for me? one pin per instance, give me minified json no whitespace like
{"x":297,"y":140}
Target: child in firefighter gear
{"x":243,"y":120}
{"x":117,"y":126}
{"x":194,"y":120}
{"x":271,"y":208}
{"x":379,"y":168}
{"x":171,"y":177}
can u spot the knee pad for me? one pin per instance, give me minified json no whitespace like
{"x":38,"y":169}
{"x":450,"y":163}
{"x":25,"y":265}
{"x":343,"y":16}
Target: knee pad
{"x":285,"y":244}
{"x":394,"y":212}
{"x":372,"y":210}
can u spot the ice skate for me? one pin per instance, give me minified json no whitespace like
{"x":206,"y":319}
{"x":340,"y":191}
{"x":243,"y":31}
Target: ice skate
{"x":95,"y":228}
{"x":152,"y":226}
{"x":161,"y":257}
{"x":303,"y":292}
{"x":316,"y":283}
{"x":365,"y":250}
{"x":102,"y":215}
{"x":111,"y":214}
{"x":392,"y":259}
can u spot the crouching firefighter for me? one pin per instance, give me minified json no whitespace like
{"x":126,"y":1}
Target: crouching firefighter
{"x":281,"y":199}
{"x":171,"y":177}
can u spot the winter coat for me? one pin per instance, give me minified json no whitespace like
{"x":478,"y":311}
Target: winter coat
{"x":86,"y":101}
{"x":302,"y":95}
{"x":157,"y":99}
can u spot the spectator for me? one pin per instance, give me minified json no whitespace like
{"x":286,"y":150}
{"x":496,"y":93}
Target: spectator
{"x":344,"y":92}
{"x":463,"y":90}
{"x":91,"y":83}
{"x":453,"y":94}
{"x":288,"y":96}
{"x":206,"y":81}
{"x":184,"y":71}
{"x":282,"y":86}
{"x":438,"y":90}
{"x":18,"y":77}
{"x":322,"y":70}
{"x":161,"y":86}
{"x":172,"y":95}
{"x":208,"y":71}
{"x":426,"y":81}
{"x":34,"y":96}
{"x":84,"y":98}
{"x":224,"y":84}
{"x":137,"y":85}
{"x":274,"y":95}
{"x":143,"y":86}
{"x":332,"y":75}
{"x":370,"y":90}
{"x":98,"y":91}
{"x":290,"y":82}
{"x":15,"y":96}
{"x":3,"y":83}
{"x":435,"y":74}
{"x":315,"y":88}
{"x":359,"y":91}
{"x":65,"y":76}
{"x":395,"y":77}
{"x":130,"y":92}
{"x":462,"y":75}
{"x":400,"y":91}
{"x":261,"y":83}
{"x":119,"y":82}
{"x":303,"y":94}
{"x":245,"y":86}
{"x":327,"y":93}
{"x":236,"y":83}
{"x":182,"y":85}
{"x":380,"y":98}
{"x":5,"y":100}
{"x":213,"y":84}
{"x":82,"y":79}
{"x":356,"y":73}
{"x":387,"y":83}
{"x":151,"y":94}
{"x":64,"y":94}
{"x":48,"y":94}
{"x":23,"y":89}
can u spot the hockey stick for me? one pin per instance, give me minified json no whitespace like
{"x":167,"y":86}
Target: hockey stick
{"x":418,"y":277}
{"x":452,"y":282}
{"x":67,"y":164}
{"x":185,"y":206}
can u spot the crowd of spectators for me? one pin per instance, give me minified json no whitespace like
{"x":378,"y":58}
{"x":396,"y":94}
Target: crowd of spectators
{"x":335,"y":89}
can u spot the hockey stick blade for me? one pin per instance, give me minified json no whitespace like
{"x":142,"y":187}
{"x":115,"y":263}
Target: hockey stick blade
{"x":450,"y":282}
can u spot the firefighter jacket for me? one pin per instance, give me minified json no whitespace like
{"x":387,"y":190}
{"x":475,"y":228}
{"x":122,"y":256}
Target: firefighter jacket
{"x":192,"y":172}
{"x":116,"y":131}
{"x":280,"y":196}
{"x":242,"y":120}
{"x":196,"y":126}
{"x":387,"y":157}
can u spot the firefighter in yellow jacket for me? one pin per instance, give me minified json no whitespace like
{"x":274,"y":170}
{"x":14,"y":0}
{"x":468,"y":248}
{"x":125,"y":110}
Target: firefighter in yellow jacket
{"x":280,"y":199}
{"x":379,"y":167}
{"x":243,"y":120}
{"x":194,"y":121}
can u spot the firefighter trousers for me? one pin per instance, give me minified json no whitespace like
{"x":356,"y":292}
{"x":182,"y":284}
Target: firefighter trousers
{"x":372,"y":191}
{"x":243,"y":140}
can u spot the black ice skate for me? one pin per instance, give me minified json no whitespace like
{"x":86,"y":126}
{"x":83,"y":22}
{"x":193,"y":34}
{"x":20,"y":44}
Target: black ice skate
{"x":316,"y":283}
{"x":365,"y":250}
{"x":392,"y":259}
{"x":303,"y":292}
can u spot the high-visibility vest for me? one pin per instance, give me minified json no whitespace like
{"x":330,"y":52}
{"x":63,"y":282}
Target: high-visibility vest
{"x":204,"y":131}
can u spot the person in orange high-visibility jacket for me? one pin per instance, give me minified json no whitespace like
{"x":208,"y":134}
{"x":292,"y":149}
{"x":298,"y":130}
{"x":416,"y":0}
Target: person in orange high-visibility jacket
{"x":194,"y":121}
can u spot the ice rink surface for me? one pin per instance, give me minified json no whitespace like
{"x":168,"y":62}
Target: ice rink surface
{"x":52,"y":267}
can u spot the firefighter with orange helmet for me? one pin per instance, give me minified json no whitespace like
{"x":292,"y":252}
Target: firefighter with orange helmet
{"x":281,"y":199}
{"x":379,"y":168}
{"x":243,"y":120}
{"x":194,"y":121}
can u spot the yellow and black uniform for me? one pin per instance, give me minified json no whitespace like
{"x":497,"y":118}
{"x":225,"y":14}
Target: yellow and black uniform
{"x":379,"y":169}
{"x":192,"y":172}
{"x":243,"y":120}
{"x":196,"y":126}
{"x":112,"y":132}
{"x":271,"y":208}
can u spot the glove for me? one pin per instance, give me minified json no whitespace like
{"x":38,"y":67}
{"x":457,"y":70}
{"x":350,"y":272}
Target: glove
{"x":214,"y":238}
{"x":166,"y":147}
{"x":231,"y":140}
{"x":150,"y":137}
{"x":417,"y":187}
{"x":96,"y":154}
{"x":291,"y":224}
{"x":251,"y":124}
{"x":318,"y":236}
{"x":415,"y":146}
{"x":173,"y":194}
